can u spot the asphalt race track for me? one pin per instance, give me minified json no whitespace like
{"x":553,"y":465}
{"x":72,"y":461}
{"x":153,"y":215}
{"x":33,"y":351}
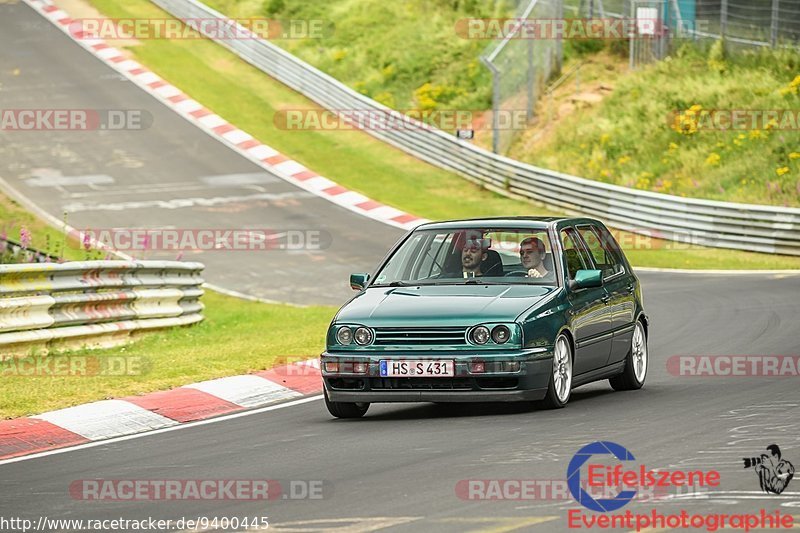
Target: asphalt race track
{"x":398,"y":468}
{"x":165,"y":176}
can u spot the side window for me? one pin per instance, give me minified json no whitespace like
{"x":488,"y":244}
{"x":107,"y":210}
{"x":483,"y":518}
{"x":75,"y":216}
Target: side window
{"x":574,"y":254}
{"x":602,"y":250}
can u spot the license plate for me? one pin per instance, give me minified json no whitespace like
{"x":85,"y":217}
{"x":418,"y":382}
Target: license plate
{"x":421,"y":368}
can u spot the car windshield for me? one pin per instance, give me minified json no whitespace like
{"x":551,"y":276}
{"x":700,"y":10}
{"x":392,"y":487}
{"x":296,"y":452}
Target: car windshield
{"x":475,"y":255}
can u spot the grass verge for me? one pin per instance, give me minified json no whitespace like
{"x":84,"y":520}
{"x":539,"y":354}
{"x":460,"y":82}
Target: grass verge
{"x":236,"y":337}
{"x":248,"y":98}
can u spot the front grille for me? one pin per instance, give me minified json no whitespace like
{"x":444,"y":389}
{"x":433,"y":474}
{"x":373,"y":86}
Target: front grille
{"x":420,"y":384}
{"x":447,"y":336}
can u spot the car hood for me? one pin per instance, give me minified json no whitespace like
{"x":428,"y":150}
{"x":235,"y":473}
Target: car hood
{"x":441,"y":304}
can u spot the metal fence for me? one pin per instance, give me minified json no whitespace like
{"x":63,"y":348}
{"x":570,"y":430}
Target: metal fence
{"x":520,"y":69}
{"x":94,"y":302}
{"x":747,"y":22}
{"x":758,"y":228}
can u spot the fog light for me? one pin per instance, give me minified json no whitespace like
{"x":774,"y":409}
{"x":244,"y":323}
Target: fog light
{"x":360,"y":368}
{"x":331,"y":366}
{"x":511,"y":366}
{"x":477,"y":367}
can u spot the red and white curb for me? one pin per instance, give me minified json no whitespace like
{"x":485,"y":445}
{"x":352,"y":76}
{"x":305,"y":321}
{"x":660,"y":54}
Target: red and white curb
{"x":108,"y":419}
{"x":216,"y":126}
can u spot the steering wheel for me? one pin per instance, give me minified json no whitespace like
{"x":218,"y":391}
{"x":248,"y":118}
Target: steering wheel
{"x":517,"y":273}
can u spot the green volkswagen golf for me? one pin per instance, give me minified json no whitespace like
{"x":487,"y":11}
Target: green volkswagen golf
{"x":489,"y":310}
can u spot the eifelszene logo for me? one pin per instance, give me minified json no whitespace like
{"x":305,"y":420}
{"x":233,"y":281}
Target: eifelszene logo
{"x":774,"y":473}
{"x":629,"y":481}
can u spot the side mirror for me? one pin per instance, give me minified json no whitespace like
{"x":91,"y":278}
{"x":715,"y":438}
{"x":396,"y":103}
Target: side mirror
{"x":586,"y":279}
{"x":359,"y":281}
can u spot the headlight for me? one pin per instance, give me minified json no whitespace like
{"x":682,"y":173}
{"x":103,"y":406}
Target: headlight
{"x":363,"y":336}
{"x":501,"y":334}
{"x":480,"y":335}
{"x":344,"y":336}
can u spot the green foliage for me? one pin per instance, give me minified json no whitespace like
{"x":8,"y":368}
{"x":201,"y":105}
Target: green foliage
{"x":716,"y":57}
{"x":648,"y":133}
{"x":392,"y":49}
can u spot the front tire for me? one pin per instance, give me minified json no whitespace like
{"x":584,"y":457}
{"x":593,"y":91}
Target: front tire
{"x":635,"y":372}
{"x":345,"y":409}
{"x":560,"y":387}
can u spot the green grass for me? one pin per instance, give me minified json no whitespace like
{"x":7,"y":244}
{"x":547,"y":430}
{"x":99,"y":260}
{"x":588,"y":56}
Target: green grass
{"x":15,"y":221}
{"x":407,"y":55}
{"x":236,"y":337}
{"x":628,"y":139}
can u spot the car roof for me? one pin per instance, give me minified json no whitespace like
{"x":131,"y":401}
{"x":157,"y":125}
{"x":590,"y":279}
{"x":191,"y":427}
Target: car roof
{"x":505,"y":222}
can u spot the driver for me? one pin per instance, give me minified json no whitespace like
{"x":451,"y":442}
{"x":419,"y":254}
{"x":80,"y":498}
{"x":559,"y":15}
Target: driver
{"x":472,"y":255}
{"x":531,"y":254}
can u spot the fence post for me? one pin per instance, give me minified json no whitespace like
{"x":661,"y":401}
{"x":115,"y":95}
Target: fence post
{"x":773,"y":38}
{"x":723,"y":18}
{"x":531,"y":80}
{"x":495,"y":103}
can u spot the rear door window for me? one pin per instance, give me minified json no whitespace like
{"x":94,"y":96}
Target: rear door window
{"x":574,"y":254}
{"x":603,"y":252}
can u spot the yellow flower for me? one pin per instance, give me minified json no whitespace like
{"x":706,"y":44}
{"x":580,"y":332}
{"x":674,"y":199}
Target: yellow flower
{"x":604,"y":138}
{"x":755,"y":134}
{"x":742,"y":136}
{"x":713,"y":159}
{"x":794,"y":155}
{"x":780,"y":171}
{"x":673,"y":147}
{"x":624,"y":159}
{"x":695,"y":108}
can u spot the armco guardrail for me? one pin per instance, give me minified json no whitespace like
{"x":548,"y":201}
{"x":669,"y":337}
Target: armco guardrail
{"x":83,"y":302}
{"x":721,"y":224}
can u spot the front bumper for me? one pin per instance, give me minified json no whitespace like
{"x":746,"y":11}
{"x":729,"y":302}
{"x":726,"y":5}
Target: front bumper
{"x":529,"y":383}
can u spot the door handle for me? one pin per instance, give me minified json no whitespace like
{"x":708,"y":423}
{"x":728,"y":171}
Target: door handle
{"x":631,"y":289}
{"x":605,"y":299}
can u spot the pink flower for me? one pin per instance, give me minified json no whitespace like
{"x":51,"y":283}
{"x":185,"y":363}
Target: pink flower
{"x":24,"y":237}
{"x":87,"y":241}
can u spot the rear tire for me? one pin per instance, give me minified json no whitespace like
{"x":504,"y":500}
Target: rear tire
{"x":559,"y":388}
{"x":636,"y":362}
{"x":345,"y":409}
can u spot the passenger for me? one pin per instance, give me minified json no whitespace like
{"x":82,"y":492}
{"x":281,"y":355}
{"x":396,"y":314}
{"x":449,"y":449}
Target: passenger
{"x":531,"y":254}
